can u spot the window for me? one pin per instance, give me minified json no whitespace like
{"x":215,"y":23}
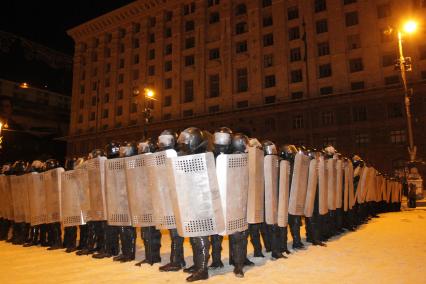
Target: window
{"x":292,"y":13}
{"x":151,"y":54}
{"x":168,"y":83}
{"x":151,"y":70}
{"x":214,"y":109}
{"x":296,"y":76}
{"x":359,"y":85}
{"x":397,"y":136}
{"x":214,"y":17}
{"x":293,"y":33}
{"x":188,"y":91}
{"x":151,"y":38}
{"x":135,"y":41}
{"x":120,"y":94}
{"x":355,"y":65}
{"x":80,"y":119}
{"x":240,"y":28}
{"x":135,"y":74}
{"x":168,"y":66}
{"x":268,"y":40}
{"x":189,"y":60}
{"x":327,"y":118}
{"x":323,"y":48}
{"x":347,"y":2}
{"x":119,"y":110}
{"x":389,"y":60}
{"x":122,"y":47}
{"x":167,"y":32}
{"x":297,"y":121}
{"x":241,"y":47}
{"x":240,"y":9}
{"x":81,"y":89}
{"x":328,"y":90}
{"x":359,"y":113}
{"x":214,"y":53}
{"x":120,"y":78}
{"x":354,"y":41}
{"x":351,"y":19}
{"x":214,"y":87}
{"x":189,"y":26}
{"x":168,"y":49}
{"x":267,"y":21}
{"x":383,"y":11}
{"x":151,"y":22}
{"x":108,"y":38}
{"x":211,"y":3}
{"x":133,"y":107}
{"x":107,"y":68}
{"x":269,"y":81}
{"x":242,"y":80}
{"x":81,"y":104}
{"x":168,"y":15}
{"x":94,"y":56}
{"x":324,"y":70}
{"x":189,"y":8}
{"x":167,"y":101}
{"x":121,"y":63}
{"x":321,"y":26}
{"x":266,"y":3}
{"x":136,"y":27}
{"x":268,"y":60}
{"x":92,"y":116}
{"x":107,"y":52}
{"x":391,"y":80}
{"x":395,"y":110}
{"x":189,"y":42}
{"x":270,"y":100}
{"x":188,"y":113}
{"x":296,"y":95}
{"x":320,"y":5}
{"x":361,"y":139}
{"x":136,"y":59}
{"x":242,"y":104}
{"x":106,"y":98}
{"x":295,"y":54}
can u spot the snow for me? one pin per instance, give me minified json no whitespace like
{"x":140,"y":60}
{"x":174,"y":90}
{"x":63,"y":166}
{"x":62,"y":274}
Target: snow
{"x":389,"y":249}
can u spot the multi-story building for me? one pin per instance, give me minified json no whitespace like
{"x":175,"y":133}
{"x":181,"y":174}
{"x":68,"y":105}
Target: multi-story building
{"x":305,"y":72}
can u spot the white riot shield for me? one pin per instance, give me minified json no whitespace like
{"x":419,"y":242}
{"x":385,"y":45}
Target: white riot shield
{"x":233,"y":176}
{"x":96,"y":177}
{"x":256,"y":187}
{"x":37,"y":199}
{"x":84,"y":191}
{"x":27,"y":209}
{"x":348,"y":195}
{"x":271,"y":171}
{"x":52,"y":182}
{"x":71,"y":187}
{"x":117,"y":200}
{"x":383,"y":190}
{"x":331,"y":184}
{"x":299,"y":184}
{"x":9,"y":198}
{"x":312,"y":188}
{"x":351,"y":193}
{"x":339,"y":184}
{"x":283,"y":193}
{"x":17,"y":184}
{"x":195,"y":195}
{"x":322,"y":186}
{"x":160,"y":185}
{"x":138,"y":191}
{"x":2,"y":197}
{"x":388,"y":190}
{"x":361,"y":190}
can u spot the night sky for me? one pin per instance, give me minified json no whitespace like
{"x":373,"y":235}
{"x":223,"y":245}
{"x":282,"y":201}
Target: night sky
{"x":47,"y":21}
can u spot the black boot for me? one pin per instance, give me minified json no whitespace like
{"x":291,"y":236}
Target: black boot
{"x":56,"y":231}
{"x":122,"y":242}
{"x":70,"y":235}
{"x":177,"y":260}
{"x":192,"y":268}
{"x":129,"y":244}
{"x":152,"y":242}
{"x":43,"y":235}
{"x":202,"y":247}
{"x":264,"y":231}
{"x":111,"y":243}
{"x":90,"y":240}
{"x":216,"y":242}
{"x":34,"y":235}
{"x":315,"y":230}
{"x":295,"y":223}
{"x":83,"y":237}
{"x":275,"y":242}
{"x":283,"y":232}
{"x":255,"y":240}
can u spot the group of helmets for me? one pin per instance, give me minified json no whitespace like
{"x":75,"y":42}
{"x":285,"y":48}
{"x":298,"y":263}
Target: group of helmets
{"x":21,"y":167}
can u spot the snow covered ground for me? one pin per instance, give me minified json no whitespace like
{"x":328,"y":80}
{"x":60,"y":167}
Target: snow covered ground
{"x":390,"y":249}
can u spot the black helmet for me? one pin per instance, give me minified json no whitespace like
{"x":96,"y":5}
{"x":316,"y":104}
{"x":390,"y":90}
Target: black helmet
{"x":269,"y":148}
{"x":288,"y":152}
{"x":96,"y":153}
{"x":191,"y":141}
{"x":128,"y":149}
{"x":112,"y":150}
{"x":51,"y":164}
{"x":240,"y":143}
{"x":19,"y":167}
{"x":223,"y":136}
{"x":145,"y":146}
{"x":356,"y":160}
{"x":70,"y":164}
{"x":167,"y":140}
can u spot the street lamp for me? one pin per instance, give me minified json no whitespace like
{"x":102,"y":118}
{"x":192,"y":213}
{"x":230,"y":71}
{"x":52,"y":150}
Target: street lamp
{"x":149,"y":97}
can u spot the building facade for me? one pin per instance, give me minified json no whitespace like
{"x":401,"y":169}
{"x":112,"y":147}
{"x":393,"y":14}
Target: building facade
{"x":305,"y":72}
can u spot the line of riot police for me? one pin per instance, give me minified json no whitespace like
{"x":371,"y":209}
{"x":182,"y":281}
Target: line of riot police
{"x":198,"y":186}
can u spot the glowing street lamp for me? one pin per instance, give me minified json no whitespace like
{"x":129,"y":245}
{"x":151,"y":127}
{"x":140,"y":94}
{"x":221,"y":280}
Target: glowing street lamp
{"x":410,"y":27}
{"x":24,"y":85}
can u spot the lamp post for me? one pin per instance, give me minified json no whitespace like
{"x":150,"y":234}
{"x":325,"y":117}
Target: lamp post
{"x":148,"y":98}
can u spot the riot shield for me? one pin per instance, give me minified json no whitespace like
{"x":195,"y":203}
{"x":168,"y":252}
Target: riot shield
{"x":383,"y":190}
{"x":271,"y":171}
{"x":283,"y":193}
{"x":138,"y":191}
{"x":17,"y":184}
{"x":322,"y":186}
{"x":96,"y":178}
{"x":164,"y":217}
{"x":26,"y":200}
{"x":339,"y":184}
{"x":117,"y":200}
{"x":361,"y":185}
{"x":299,"y":183}
{"x":312,"y":188}
{"x":331,"y":184}
{"x":351,"y":190}
{"x":2,"y":197}
{"x":233,"y":177}
{"x":195,"y":195}
{"x":37,"y":199}
{"x":70,"y":197}
{"x":347,"y":180}
{"x":256,"y":187}
{"x":52,"y":183}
